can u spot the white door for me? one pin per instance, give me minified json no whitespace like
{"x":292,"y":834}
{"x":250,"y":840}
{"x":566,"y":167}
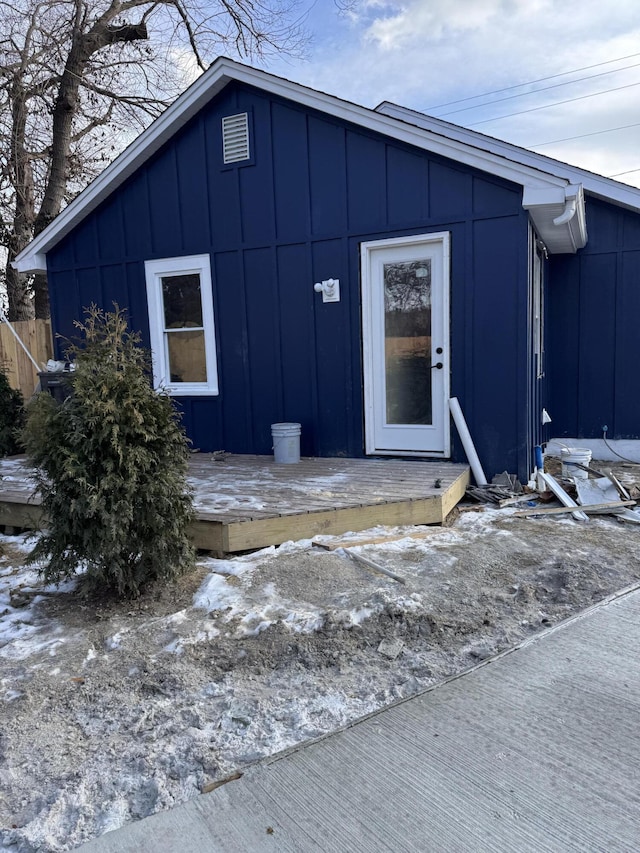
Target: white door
{"x":405,"y":326}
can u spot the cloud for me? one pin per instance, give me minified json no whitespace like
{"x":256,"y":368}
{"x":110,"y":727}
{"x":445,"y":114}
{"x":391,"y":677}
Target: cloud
{"x":425,"y":53}
{"x":425,"y":23}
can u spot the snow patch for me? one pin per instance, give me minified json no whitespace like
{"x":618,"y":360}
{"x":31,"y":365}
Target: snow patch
{"x":253,"y":615}
{"x":214,"y":493}
{"x":114,"y":642}
{"x":357,"y":616}
{"x":216,"y":594}
{"x":10,"y":695}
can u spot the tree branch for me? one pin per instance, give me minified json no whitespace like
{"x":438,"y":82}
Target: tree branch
{"x":98,"y":121}
{"x":140,"y":101}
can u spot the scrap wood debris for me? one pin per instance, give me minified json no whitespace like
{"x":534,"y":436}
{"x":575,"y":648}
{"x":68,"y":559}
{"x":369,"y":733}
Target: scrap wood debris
{"x":609,"y":488}
{"x":600,"y":492}
{"x":498,"y":495}
{"x":565,"y":499}
{"x":504,"y":490}
{"x":343,"y":551}
{"x":599,"y":509}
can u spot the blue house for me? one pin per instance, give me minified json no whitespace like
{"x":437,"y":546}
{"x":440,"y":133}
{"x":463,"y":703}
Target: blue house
{"x":291,"y":256}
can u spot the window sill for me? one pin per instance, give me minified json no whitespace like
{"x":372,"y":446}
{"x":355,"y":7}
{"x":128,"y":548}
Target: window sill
{"x":189,"y":390}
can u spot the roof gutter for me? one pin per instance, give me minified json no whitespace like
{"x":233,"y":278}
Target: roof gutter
{"x":558,"y":214}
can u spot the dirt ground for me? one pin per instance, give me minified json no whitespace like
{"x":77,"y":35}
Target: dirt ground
{"x":111,"y":712}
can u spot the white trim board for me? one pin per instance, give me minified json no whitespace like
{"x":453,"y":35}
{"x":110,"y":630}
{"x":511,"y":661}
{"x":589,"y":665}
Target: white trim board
{"x":627,"y":447}
{"x":155,"y":271}
{"x":391,"y":438}
{"x":474,"y":153}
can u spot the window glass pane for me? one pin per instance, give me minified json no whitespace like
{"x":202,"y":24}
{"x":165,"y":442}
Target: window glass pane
{"x":181,"y":300}
{"x":407,"y":321}
{"x":187,"y":362}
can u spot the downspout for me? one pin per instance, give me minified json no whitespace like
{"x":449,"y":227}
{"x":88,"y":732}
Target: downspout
{"x":568,"y":213}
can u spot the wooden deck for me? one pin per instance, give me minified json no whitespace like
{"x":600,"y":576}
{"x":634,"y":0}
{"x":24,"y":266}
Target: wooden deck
{"x":245,"y":502}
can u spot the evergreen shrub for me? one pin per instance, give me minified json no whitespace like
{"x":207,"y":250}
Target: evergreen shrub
{"x":111,"y":465}
{"x":11,"y":417}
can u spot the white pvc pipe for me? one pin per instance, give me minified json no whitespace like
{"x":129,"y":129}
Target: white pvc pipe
{"x":467,"y":441}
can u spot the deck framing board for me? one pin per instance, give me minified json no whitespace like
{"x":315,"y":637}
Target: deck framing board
{"x":273,"y":531}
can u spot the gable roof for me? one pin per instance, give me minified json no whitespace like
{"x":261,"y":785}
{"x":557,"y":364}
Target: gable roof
{"x":592,"y":183}
{"x":552,"y":191}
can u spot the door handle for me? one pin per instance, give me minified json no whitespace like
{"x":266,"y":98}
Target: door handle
{"x":437,"y":366}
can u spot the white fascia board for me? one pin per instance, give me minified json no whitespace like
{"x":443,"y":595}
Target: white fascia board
{"x":206,"y":87}
{"x":536,"y":196}
{"x":533,"y":196}
{"x":596,"y":185}
{"x":30,"y":262}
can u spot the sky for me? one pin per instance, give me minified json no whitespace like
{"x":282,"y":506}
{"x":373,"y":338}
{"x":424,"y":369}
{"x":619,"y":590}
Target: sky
{"x":428,"y":54}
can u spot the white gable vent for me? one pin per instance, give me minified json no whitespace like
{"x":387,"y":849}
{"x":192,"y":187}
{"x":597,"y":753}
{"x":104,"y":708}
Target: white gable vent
{"x":235,"y":138}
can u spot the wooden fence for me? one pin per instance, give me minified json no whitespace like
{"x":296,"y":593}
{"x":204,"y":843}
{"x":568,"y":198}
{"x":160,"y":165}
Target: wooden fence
{"x":36,"y":336}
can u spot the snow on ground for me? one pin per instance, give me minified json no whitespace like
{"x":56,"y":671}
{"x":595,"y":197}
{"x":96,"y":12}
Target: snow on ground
{"x":21,"y":591}
{"x":112,"y":711}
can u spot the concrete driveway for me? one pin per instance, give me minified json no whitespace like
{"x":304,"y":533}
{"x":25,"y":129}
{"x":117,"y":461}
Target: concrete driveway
{"x":535,"y":750}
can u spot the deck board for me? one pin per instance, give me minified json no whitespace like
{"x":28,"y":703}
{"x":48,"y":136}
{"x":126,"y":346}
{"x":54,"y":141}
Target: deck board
{"x":245,"y":502}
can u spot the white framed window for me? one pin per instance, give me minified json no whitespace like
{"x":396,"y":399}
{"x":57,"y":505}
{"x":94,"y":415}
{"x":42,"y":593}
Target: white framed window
{"x":181,"y":323}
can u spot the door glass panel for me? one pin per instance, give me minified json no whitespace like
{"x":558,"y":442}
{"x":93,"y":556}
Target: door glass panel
{"x":407,"y":330}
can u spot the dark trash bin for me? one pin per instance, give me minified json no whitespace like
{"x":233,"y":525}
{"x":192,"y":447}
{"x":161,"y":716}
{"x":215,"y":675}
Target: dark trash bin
{"x":56,"y":383}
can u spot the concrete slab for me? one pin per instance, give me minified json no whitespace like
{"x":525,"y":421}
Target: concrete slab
{"x":537,"y":750}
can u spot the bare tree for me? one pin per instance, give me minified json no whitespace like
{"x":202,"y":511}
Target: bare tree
{"x":79,"y":79}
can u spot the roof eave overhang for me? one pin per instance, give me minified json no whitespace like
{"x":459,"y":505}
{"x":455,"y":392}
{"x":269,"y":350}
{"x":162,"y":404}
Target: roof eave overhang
{"x":221,"y":73}
{"x":558,"y":216}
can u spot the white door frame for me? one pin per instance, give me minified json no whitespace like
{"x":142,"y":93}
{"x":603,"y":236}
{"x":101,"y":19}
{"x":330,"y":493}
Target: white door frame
{"x":433,"y":440}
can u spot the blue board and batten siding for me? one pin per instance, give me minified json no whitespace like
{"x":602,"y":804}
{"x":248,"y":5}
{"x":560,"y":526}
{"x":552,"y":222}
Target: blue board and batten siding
{"x":317,"y":187}
{"x":593,"y":330}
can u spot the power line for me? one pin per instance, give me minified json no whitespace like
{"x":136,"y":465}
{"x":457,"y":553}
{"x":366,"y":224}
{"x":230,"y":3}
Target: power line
{"x":583,"y":135}
{"x":554,"y":104}
{"x":535,"y":91}
{"x":628,"y":172}
{"x":530,"y":82}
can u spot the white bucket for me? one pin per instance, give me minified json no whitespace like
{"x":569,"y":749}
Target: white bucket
{"x":572,"y":455}
{"x":286,"y":442}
